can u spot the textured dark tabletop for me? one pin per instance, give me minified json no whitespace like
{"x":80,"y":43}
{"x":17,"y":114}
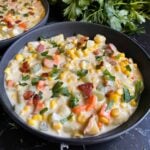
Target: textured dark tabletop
{"x":13,"y":137}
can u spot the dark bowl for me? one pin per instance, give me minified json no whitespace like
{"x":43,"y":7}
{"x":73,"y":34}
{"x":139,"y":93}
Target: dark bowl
{"x":122,"y":42}
{"x":5,"y":43}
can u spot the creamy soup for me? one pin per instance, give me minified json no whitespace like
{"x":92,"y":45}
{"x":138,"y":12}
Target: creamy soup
{"x":74,"y":86}
{"x":18,"y":16}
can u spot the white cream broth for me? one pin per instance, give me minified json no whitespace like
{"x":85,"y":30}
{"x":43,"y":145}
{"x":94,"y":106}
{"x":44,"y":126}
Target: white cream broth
{"x":74,"y":86}
{"x":18,"y":16}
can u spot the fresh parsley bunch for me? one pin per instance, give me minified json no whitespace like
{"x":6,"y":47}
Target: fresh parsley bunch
{"x":121,"y":15}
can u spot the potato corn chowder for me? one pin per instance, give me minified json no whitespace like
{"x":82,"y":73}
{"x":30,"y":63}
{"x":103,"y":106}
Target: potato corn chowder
{"x":18,"y":16}
{"x":74,"y":86}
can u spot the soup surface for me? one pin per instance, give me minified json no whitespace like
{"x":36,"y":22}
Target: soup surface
{"x":18,"y":16}
{"x":74,"y":86}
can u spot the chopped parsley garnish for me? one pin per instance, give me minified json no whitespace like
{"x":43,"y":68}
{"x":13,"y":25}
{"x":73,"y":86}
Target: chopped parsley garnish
{"x":138,"y":88}
{"x":35,"y":80}
{"x":43,"y":110}
{"x":22,"y":84}
{"x":58,"y":90}
{"x":110,"y":104}
{"x":66,"y":119}
{"x":55,"y":71}
{"x":128,"y":68}
{"x":108,"y":75}
{"x":44,"y":53}
{"x":99,"y":58}
{"x":73,"y":101}
{"x":25,"y":78}
{"x":126,"y":95}
{"x":81,"y":73}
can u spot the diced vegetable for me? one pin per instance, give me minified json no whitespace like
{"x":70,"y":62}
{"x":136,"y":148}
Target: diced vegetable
{"x":25,"y":78}
{"x":43,"y":110}
{"x":108,"y":75}
{"x":73,"y":101}
{"x":81,"y":73}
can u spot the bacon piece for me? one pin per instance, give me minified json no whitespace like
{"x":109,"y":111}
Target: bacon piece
{"x":86,"y":89}
{"x":96,"y":52}
{"x":36,"y":98}
{"x":17,"y":21}
{"x":28,"y":95}
{"x":40,"y":48}
{"x":10,"y":83}
{"x":48,"y":63}
{"x":25,"y":68}
{"x":44,"y":75}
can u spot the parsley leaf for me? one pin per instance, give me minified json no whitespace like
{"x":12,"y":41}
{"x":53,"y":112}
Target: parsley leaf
{"x":128,"y":68}
{"x":73,"y":101}
{"x":81,"y":73}
{"x":55,"y":71}
{"x":35,"y":80}
{"x":108,"y":75}
{"x":126,"y":95}
{"x":99,"y":58}
{"x":110,"y":104}
{"x":44,"y":53}
{"x":58,"y":90}
{"x":138,"y":88}
{"x":23,"y":84}
{"x":43,"y":110}
{"x":26,"y":77}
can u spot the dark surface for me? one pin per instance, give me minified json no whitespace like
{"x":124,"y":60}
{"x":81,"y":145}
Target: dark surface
{"x":15,"y":138}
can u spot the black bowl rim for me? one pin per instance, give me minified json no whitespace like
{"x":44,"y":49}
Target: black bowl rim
{"x":47,"y":10}
{"x":55,"y":139}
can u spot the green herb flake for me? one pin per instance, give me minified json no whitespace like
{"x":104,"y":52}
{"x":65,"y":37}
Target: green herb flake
{"x":128,"y":68}
{"x":22,"y":84}
{"x":35,"y":80}
{"x":138,"y":88}
{"x":99,"y":58}
{"x":126,"y":95}
{"x":66,"y":119}
{"x":110,"y":104}
{"x":44,"y":53}
{"x":55,"y":71}
{"x":58,"y":90}
{"x":82,"y":73}
{"x":108,"y":75}
{"x":40,"y":94}
{"x":43,"y":110}
{"x":73,"y":101}
{"x":25,"y":78}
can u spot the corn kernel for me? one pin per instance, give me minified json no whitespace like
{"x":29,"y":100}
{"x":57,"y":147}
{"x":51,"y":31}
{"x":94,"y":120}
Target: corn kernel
{"x":19,"y":57}
{"x":62,"y":75}
{"x":122,"y":55}
{"x":114,"y":96}
{"x":114,"y":112}
{"x":26,"y":108}
{"x":31,"y":122}
{"x":117,"y":68}
{"x":79,"y":53}
{"x":133,"y":103}
{"x":69,"y":80}
{"x":37,"y":117}
{"x":44,"y":117}
{"x":57,"y":126}
{"x":7,"y":70}
{"x":53,"y":104}
{"x":123,"y":105}
{"x":85,"y":52}
{"x":104,"y":120}
{"x":97,"y":38}
{"x":50,"y":78}
{"x":34,"y":55}
{"x":81,"y":118}
{"x":126,"y":72}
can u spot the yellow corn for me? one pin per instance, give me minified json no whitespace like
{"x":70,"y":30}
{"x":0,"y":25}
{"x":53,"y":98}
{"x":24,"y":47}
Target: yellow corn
{"x":97,"y":38}
{"x":117,"y":68}
{"x":53,"y":104}
{"x":104,"y":120}
{"x":114,"y":112}
{"x":34,"y":55}
{"x":81,"y":118}
{"x":44,"y":117}
{"x":62,"y":75}
{"x":122,"y":55}
{"x":85,"y":52}
{"x":57,"y":126}
{"x":19,"y":57}
{"x":26,"y":108}
{"x":123,"y":105}
{"x":114,"y":96}
{"x":126,"y":72}
{"x":69,"y":80}
{"x":50,"y":78}
{"x":133,"y":103}
{"x":79,"y":53}
{"x":31,"y":122}
{"x":37,"y":117}
{"x":7,"y":70}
